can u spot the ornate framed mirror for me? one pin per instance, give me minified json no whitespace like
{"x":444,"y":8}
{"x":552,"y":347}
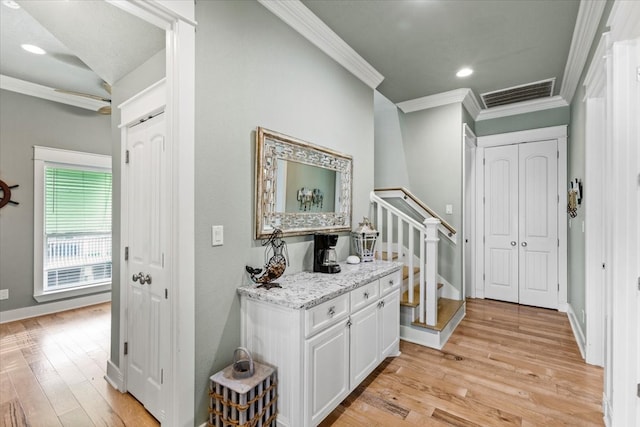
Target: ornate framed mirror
{"x":301,"y":188}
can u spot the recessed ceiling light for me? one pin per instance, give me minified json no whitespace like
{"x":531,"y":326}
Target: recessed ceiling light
{"x":464,"y":72}
{"x":11,"y":4}
{"x":33,"y":49}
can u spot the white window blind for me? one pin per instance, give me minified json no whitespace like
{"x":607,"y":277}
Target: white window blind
{"x":77,"y":227}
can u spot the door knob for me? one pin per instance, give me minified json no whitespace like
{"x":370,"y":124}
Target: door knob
{"x":139,"y":276}
{"x":146,"y":279}
{"x":524,"y":244}
{"x":513,"y":243}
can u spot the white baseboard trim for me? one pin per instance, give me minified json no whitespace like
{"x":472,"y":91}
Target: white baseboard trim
{"x":606,"y":409}
{"x":577,"y":331}
{"x":53,"y":307}
{"x":114,"y":377}
{"x":448,"y":290}
{"x":563,"y":307}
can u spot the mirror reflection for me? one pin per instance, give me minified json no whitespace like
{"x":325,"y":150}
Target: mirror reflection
{"x":300,"y":188}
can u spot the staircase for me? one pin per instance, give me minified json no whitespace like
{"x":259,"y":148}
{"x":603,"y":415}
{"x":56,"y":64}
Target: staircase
{"x":431,"y":307}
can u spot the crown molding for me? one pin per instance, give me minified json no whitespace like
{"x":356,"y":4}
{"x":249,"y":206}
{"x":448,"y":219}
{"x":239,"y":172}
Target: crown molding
{"x":589,"y":15}
{"x":472,"y":105}
{"x":439,"y":99}
{"x":39,"y":91}
{"x":595,"y":79}
{"x":300,"y":18}
{"x":522,"y":107}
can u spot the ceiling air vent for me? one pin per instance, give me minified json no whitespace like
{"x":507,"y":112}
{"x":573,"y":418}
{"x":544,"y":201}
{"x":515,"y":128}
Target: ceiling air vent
{"x":526,"y":92}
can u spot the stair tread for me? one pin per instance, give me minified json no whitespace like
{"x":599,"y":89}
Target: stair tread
{"x":447,"y":308}
{"x":405,"y":271}
{"x":404,"y":299}
{"x":386,"y":257}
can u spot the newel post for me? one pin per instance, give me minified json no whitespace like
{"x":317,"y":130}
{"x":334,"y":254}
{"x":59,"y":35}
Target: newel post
{"x":431,"y":270}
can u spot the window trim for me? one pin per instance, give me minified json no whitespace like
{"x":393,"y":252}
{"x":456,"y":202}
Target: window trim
{"x":42,"y":157}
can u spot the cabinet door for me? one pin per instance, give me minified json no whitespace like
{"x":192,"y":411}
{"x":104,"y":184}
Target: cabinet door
{"x":326,"y":372}
{"x":389,"y":324}
{"x":365,"y":347}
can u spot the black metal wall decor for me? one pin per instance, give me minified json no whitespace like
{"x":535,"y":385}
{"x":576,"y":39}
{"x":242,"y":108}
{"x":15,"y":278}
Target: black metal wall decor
{"x":275,"y":256}
{"x":5,"y":194}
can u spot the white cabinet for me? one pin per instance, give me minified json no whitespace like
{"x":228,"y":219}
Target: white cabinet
{"x":323,"y":352}
{"x":365,"y":343}
{"x":389,"y":324}
{"x":326,"y":371}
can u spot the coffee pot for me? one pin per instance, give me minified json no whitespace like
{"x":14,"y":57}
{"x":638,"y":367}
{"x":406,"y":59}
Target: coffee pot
{"x":325,"y":259}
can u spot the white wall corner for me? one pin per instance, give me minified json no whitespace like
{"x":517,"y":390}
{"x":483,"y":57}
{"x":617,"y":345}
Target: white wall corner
{"x":437,"y":100}
{"x":472,"y":105}
{"x":624,"y":20}
{"x":577,"y":330}
{"x":300,"y":18}
{"x":589,"y":16}
{"x":114,"y":377}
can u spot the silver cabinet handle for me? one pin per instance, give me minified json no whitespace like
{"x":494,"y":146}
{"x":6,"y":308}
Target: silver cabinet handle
{"x":366,"y":295}
{"x":513,"y":243}
{"x":349,"y":323}
{"x":524,"y":244}
{"x":332,"y":311}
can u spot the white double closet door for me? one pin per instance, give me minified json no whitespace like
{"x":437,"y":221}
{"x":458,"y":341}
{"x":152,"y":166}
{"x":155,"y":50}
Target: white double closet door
{"x":521,"y":223}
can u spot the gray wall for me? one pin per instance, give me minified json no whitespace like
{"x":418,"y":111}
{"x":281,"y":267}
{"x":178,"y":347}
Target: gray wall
{"x":390,"y":161}
{"x":27,"y":121}
{"x":142,"y":77}
{"x":537,"y":119}
{"x":253,"y":70}
{"x":576,"y":169}
{"x":422,"y":151}
{"x":433,"y":149}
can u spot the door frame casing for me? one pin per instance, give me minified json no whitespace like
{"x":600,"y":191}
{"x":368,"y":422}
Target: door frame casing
{"x":558,"y":133}
{"x":469,"y":212}
{"x":177,"y":19}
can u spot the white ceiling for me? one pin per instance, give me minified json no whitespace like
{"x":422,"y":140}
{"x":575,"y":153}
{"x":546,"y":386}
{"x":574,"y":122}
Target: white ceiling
{"x":418,"y":45}
{"x":87,"y":41}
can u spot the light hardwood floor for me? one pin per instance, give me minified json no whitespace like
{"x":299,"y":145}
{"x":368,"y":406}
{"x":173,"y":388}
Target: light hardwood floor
{"x":52,"y":373}
{"x":505,"y":365}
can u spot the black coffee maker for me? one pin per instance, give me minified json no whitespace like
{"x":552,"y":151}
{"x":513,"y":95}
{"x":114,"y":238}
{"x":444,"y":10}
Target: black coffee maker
{"x":325,"y":259}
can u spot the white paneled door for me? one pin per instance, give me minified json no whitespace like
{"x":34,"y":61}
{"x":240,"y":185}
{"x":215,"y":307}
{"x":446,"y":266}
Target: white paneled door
{"x":501,"y":223}
{"x":521,"y":228}
{"x":148,"y":317}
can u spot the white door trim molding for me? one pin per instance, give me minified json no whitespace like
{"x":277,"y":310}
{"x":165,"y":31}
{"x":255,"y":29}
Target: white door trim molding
{"x":469,"y":143}
{"x":177,"y":19}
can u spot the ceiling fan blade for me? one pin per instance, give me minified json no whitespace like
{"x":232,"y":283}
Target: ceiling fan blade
{"x":85,"y":95}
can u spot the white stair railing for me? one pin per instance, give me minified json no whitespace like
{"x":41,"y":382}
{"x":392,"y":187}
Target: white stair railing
{"x":428,"y":250}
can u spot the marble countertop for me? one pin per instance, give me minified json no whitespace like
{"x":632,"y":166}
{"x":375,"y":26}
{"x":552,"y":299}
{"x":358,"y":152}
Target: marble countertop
{"x":307,"y":289}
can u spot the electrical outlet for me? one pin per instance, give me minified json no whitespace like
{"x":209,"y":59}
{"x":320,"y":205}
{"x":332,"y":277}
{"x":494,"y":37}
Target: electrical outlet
{"x":4,"y":294}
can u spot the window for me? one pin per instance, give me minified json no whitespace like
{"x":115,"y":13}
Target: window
{"x":72,"y":223}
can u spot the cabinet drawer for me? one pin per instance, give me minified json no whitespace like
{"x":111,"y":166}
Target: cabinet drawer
{"x":390,"y":282}
{"x":364,"y":295}
{"x":326,"y":314}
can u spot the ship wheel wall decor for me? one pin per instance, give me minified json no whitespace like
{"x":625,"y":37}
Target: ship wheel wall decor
{"x":5,"y":194}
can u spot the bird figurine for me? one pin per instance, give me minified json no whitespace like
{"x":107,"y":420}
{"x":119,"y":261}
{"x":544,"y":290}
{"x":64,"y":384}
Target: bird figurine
{"x":275,"y":265}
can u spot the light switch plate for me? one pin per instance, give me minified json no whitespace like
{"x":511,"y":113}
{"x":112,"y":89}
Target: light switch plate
{"x":448,"y":209}
{"x":217,"y":235}
{"x":4,"y":294}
